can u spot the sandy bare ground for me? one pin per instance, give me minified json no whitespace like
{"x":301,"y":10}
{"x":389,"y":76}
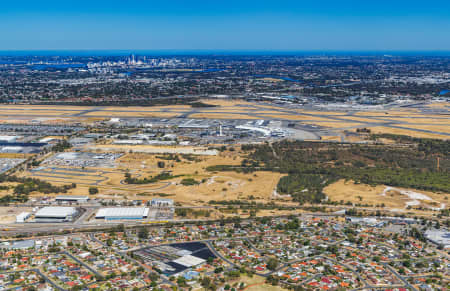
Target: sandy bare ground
{"x":8,"y":214}
{"x":394,"y":198}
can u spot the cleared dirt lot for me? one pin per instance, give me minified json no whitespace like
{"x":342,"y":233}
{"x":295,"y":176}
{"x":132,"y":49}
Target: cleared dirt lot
{"x":8,"y":214}
{"x":366,"y":194}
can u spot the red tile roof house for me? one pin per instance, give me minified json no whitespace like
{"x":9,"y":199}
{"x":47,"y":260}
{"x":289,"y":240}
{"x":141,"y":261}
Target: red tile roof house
{"x":259,"y":268}
{"x":86,"y":277}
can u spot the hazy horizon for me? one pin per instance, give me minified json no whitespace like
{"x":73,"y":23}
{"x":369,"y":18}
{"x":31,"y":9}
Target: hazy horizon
{"x":218,"y":52}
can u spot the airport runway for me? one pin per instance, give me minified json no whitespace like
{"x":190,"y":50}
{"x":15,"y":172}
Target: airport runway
{"x":259,"y":111}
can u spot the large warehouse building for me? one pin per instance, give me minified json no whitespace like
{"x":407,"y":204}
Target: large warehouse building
{"x":72,"y":199}
{"x":120,"y":213}
{"x":55,"y":214}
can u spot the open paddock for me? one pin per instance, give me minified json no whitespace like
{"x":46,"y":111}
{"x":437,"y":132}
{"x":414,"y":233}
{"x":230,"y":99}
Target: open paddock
{"x":132,"y":114}
{"x":405,"y":131}
{"x":348,"y":191}
{"x":222,"y":116}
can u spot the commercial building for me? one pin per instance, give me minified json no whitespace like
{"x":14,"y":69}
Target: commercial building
{"x":8,"y":138}
{"x":22,"y":217}
{"x":189,"y":261}
{"x":55,"y":214}
{"x":128,"y":141}
{"x":120,"y":213}
{"x":439,"y":236}
{"x":72,"y":199}
{"x":18,"y":245}
{"x":161,"y":202}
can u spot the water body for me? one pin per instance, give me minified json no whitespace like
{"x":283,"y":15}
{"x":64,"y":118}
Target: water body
{"x":278,"y":77}
{"x":443,"y":92}
{"x":58,"y":66}
{"x":210,"y":70}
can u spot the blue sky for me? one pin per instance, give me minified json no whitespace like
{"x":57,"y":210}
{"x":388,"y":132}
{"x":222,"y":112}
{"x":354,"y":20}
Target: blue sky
{"x":372,"y":25}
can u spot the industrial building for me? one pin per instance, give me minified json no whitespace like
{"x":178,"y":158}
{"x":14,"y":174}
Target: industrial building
{"x":18,"y":245}
{"x":8,"y":138}
{"x":55,"y":214}
{"x":72,"y":199}
{"x":161,"y":202}
{"x":120,"y":213}
{"x":22,"y":217}
{"x":439,"y":237}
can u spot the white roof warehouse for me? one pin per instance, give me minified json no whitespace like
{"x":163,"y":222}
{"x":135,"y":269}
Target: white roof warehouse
{"x":55,"y":214}
{"x":119,"y":213}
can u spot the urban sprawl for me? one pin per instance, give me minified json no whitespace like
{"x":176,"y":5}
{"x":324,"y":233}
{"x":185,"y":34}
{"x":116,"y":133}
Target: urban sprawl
{"x":224,"y":172}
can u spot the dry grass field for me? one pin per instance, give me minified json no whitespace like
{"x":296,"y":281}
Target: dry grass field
{"x":226,"y":102}
{"x":273,"y":80}
{"x":439,"y":105}
{"x":215,"y":185}
{"x":439,"y":128}
{"x":412,"y":132}
{"x":366,"y":194}
{"x":212,"y":185}
{"x":221,"y":116}
{"x":358,"y":119}
{"x":35,"y":112}
{"x":403,"y":112}
{"x":147,"y":108}
{"x":431,"y":120}
{"x":337,"y":113}
{"x":257,"y":283}
{"x":298,"y":117}
{"x":8,"y":191}
{"x":133,"y":114}
{"x":15,"y":155}
{"x":335,"y":124}
{"x":330,"y":138}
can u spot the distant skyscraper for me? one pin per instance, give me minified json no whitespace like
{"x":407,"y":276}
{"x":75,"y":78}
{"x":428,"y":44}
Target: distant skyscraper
{"x":132,"y":60}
